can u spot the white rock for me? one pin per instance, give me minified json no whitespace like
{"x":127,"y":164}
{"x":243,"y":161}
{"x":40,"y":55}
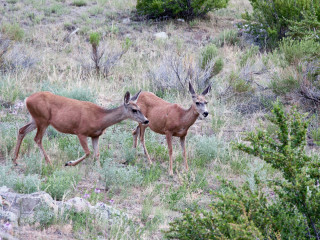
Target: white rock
{"x":161,"y":35}
{"x":126,"y":20}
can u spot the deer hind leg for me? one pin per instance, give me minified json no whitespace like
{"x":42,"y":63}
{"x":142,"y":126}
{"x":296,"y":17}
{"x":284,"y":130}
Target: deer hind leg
{"x":142,"y":131}
{"x":84,"y":143}
{"x":183,"y":146}
{"x":22,"y":133}
{"x":95,"y":145}
{"x":38,"y":139}
{"x":169,"y":141}
{"x":135,"y":134}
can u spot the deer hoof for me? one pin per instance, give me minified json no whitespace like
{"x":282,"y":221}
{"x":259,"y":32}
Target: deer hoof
{"x":68,"y":164}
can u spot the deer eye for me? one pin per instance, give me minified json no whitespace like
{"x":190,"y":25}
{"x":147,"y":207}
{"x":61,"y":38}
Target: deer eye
{"x":134,"y":110}
{"x":197,"y":103}
{"x":206,"y":103}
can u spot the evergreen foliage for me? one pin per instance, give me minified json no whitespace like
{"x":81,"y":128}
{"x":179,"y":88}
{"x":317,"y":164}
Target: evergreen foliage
{"x":272,"y":20}
{"x":187,"y":9}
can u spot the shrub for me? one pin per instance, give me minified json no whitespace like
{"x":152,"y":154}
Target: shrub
{"x":285,"y":151}
{"x":239,"y":213}
{"x":270,"y":20}
{"x":61,"y":182}
{"x":208,"y":54}
{"x":44,"y":215}
{"x":307,"y":28}
{"x":178,"y":9}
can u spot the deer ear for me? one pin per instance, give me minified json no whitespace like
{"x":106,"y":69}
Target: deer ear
{"x":126,"y":98}
{"x":135,"y":97}
{"x":208,"y":89}
{"x":191,"y":90}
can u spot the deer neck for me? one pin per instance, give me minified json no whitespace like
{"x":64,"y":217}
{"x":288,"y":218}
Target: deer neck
{"x":190,"y":116}
{"x":113,"y":116}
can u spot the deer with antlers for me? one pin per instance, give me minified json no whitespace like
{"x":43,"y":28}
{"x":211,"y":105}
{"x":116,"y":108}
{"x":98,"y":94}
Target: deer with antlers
{"x":169,"y":119}
{"x":84,"y":119}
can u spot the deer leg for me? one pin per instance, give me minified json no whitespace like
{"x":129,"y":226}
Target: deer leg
{"x":22,"y":133}
{"x":135,"y":134}
{"x":95,"y":144}
{"x":38,"y":139}
{"x":169,"y":141}
{"x":142,"y":131}
{"x":183,"y":146}
{"x":84,"y":143}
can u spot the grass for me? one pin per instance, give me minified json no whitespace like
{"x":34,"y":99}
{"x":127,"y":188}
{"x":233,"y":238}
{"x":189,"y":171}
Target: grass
{"x":127,"y":182}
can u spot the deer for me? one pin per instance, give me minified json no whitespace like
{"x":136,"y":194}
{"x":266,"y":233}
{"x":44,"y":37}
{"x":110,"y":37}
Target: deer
{"x":170,"y":120}
{"x":71,"y":116}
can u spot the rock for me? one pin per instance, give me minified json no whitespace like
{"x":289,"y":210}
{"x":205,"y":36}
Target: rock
{"x":23,"y":205}
{"x":79,"y":204}
{"x":8,"y":216}
{"x":161,"y":35}
{"x":126,"y":20}
{"x":180,"y":20}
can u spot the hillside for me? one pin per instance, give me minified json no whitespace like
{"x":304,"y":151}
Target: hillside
{"x":45,"y":46}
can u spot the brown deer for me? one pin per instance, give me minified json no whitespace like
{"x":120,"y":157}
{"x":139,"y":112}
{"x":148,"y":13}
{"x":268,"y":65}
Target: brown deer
{"x":84,"y":119}
{"x":169,"y":119}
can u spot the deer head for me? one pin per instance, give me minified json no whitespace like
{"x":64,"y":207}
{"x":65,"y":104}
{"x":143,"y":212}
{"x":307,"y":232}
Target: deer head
{"x":199,"y":101}
{"x":132,"y":109}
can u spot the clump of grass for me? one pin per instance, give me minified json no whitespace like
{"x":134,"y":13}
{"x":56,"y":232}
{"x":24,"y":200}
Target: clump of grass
{"x":248,"y":55}
{"x":207,"y":149}
{"x":79,"y":3}
{"x":61,"y":183}
{"x":227,"y":37}
{"x":284,"y":82}
{"x":116,"y":175}
{"x":12,"y":31}
{"x":27,"y":184}
{"x":240,"y":84}
{"x":297,"y":50}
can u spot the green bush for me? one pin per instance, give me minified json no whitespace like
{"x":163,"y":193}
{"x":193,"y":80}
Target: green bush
{"x":208,"y":54}
{"x":285,"y":151}
{"x":178,"y":8}
{"x":79,"y":3}
{"x":307,"y":28}
{"x":270,"y":21}
{"x":61,"y":182}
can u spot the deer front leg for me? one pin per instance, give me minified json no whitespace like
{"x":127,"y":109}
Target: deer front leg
{"x":135,"y":134}
{"x":183,"y":146}
{"x":84,"y":144}
{"x":41,"y":129}
{"x":169,"y":142}
{"x":142,"y":131}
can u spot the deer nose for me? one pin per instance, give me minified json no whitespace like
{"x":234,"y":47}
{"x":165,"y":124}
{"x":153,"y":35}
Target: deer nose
{"x":205,"y":114}
{"x":146,"y":122}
